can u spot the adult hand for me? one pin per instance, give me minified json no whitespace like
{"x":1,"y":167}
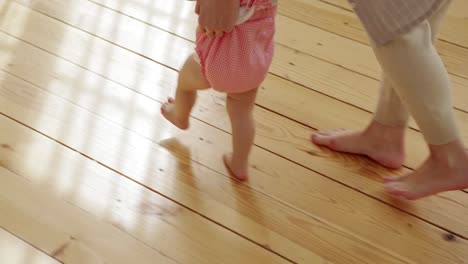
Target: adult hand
{"x":217,"y":16}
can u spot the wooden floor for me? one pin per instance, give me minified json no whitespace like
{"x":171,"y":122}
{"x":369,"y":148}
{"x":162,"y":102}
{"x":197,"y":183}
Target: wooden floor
{"x":91,"y":173}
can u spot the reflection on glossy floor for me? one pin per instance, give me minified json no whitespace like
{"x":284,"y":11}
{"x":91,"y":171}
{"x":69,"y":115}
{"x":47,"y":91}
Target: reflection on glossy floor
{"x":91,"y":173}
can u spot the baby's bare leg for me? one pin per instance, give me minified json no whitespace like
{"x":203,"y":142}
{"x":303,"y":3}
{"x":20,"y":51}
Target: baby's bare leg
{"x":177,"y":110}
{"x":240,"y":110}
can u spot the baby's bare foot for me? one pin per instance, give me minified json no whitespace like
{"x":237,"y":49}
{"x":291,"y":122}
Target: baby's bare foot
{"x":168,"y":111}
{"x":239,"y":173}
{"x":380,"y":143}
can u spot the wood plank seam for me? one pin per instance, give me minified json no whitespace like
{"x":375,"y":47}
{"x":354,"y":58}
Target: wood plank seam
{"x":74,"y":156}
{"x":370,"y":196}
{"x":349,"y":69}
{"x":260,"y":191}
{"x":350,"y":10}
{"x":27,"y":242}
{"x":94,"y":35}
{"x":415,"y":129}
{"x":282,"y":77}
{"x":258,"y":105}
{"x":302,"y":85}
{"x":151,"y":189}
{"x":363,"y":43}
{"x":172,"y":68}
{"x":135,"y":18}
{"x":312,"y":170}
{"x":59,"y":250}
{"x":259,"y":146}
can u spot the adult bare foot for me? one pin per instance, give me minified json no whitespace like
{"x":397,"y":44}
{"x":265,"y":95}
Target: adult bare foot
{"x":381,"y":143}
{"x":168,"y":111}
{"x":239,"y":173}
{"x":440,"y":173}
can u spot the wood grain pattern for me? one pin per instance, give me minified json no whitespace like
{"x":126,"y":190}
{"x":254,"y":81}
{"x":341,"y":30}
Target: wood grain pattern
{"x":349,"y":54}
{"x":15,"y":250}
{"x":453,"y":29}
{"x":110,"y":201}
{"x":307,"y":70}
{"x":345,"y":23}
{"x":86,"y":158}
{"x":310,"y":40}
{"x":66,"y":232}
{"x":312,"y":43}
{"x":238,"y":207}
{"x":107,"y":138}
{"x":273,"y":134}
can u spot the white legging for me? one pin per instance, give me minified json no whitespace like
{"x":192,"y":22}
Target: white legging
{"x":414,"y":78}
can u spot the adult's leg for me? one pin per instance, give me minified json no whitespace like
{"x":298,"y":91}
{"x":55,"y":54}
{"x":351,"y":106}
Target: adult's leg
{"x":383,"y":139}
{"x":420,"y":79}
